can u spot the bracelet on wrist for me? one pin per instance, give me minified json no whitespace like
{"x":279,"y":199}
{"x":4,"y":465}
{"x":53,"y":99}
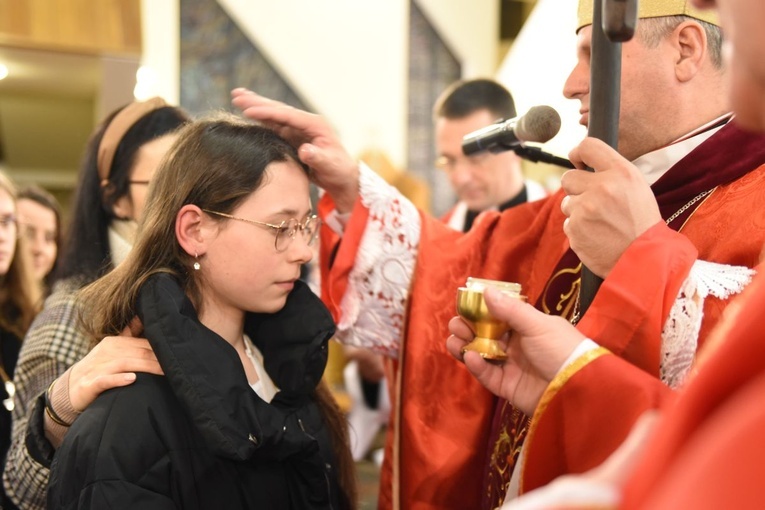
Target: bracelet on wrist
{"x":55,"y":418}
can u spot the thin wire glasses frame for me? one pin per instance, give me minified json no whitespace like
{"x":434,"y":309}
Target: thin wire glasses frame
{"x":449,"y":164}
{"x":285,"y":231}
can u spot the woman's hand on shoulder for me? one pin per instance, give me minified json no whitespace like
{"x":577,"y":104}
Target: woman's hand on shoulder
{"x":112,"y":363}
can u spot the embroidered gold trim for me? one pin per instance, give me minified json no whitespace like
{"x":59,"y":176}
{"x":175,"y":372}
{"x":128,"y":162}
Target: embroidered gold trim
{"x":565,"y":304}
{"x":552,"y":390}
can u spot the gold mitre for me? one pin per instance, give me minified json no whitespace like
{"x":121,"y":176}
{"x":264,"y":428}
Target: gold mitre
{"x":653,"y":9}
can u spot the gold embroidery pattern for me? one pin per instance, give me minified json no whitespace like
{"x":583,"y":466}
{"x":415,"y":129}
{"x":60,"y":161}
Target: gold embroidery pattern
{"x":513,"y":424}
{"x":554,"y":387}
{"x":504,"y":456}
{"x":562,"y":305}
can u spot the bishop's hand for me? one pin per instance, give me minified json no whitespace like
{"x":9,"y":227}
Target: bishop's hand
{"x":318,"y":146}
{"x":606,"y":209}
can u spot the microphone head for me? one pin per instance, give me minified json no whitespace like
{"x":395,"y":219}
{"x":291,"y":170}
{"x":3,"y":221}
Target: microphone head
{"x":539,"y":124}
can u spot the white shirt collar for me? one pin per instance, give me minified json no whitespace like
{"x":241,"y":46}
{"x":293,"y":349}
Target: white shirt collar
{"x":264,"y":386}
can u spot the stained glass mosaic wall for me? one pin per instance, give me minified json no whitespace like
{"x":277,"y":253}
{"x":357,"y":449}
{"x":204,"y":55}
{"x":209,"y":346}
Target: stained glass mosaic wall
{"x":217,"y":56}
{"x":432,"y":67}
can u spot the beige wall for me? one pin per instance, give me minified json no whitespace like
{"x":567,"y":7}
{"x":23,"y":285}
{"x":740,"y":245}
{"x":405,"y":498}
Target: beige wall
{"x":347,"y":58}
{"x":535,"y":69}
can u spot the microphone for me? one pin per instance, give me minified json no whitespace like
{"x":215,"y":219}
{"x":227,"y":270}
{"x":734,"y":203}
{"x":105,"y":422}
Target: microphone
{"x":539,"y":124}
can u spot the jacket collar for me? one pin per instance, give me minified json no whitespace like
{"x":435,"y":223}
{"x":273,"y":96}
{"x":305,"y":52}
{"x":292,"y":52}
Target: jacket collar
{"x":205,"y":372}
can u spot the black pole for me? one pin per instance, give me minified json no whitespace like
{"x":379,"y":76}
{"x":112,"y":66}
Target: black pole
{"x":605,"y":80}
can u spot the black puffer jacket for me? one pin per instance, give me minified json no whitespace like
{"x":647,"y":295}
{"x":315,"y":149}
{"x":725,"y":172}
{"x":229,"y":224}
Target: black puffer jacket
{"x":200,"y":438}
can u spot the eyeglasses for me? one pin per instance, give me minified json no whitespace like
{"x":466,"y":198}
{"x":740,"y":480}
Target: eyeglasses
{"x":448,"y":164}
{"x":285,"y":231}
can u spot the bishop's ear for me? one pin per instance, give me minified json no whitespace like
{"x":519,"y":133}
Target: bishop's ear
{"x":692,"y":47}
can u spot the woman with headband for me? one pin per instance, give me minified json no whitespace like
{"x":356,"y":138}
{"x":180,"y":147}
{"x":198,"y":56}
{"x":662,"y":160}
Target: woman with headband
{"x":58,"y":375}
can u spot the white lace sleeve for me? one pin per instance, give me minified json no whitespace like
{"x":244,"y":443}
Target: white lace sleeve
{"x":374,"y":304}
{"x":681,"y":331}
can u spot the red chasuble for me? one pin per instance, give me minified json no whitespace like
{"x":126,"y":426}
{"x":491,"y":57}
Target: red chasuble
{"x":439,"y":438}
{"x":708,"y":447}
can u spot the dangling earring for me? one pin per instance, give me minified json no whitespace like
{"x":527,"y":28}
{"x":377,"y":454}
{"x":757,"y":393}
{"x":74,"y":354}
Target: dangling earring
{"x":196,"y":262}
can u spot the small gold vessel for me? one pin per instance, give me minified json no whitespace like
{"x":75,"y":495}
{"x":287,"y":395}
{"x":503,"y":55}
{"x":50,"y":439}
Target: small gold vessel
{"x":488,"y":330}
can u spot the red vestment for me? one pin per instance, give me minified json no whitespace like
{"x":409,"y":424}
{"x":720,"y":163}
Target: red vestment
{"x":707,"y":448}
{"x":436,"y":449}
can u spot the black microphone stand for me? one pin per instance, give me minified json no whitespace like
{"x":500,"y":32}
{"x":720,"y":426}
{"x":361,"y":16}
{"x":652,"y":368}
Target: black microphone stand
{"x":537,"y":155}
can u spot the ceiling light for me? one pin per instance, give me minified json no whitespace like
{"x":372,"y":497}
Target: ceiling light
{"x":145,"y":83}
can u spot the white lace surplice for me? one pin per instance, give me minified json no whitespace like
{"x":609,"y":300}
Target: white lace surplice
{"x":681,"y":330}
{"x":373,"y":307}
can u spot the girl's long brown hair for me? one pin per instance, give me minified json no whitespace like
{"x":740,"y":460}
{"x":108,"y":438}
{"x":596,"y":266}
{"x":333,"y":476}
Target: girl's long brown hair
{"x":215,"y":164}
{"x":20,"y":293}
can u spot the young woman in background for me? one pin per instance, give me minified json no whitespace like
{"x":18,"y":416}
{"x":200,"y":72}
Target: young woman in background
{"x":58,"y":374}
{"x":20,"y":298}
{"x":40,"y":224}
